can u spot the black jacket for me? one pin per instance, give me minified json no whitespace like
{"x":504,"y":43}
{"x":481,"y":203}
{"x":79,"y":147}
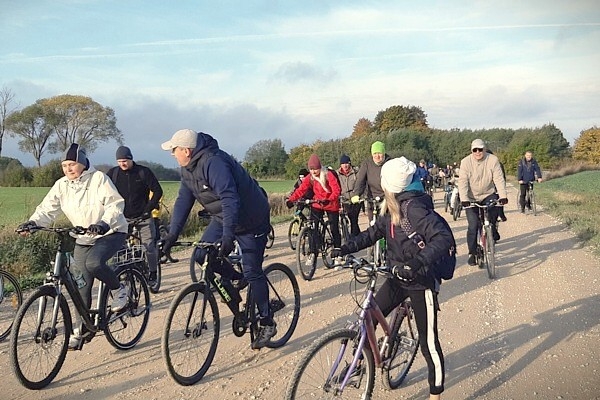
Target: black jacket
{"x":135,"y":187}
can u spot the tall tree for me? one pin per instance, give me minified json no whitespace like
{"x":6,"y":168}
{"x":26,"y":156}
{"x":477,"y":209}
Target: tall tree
{"x":397,"y":117}
{"x":79,"y":119}
{"x":6,"y":99}
{"x":587,"y":146}
{"x":363,"y":127}
{"x":30,"y":126}
{"x":266,"y":158}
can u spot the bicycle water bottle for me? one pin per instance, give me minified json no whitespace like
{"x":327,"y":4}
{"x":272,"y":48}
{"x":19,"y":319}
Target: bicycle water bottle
{"x":76,"y":273}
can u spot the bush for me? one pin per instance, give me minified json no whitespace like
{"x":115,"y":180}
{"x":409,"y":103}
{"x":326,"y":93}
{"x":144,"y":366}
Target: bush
{"x":26,"y":256}
{"x":46,"y":175}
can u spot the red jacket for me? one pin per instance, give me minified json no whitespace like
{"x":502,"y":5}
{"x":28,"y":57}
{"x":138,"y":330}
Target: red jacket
{"x":319,"y":192}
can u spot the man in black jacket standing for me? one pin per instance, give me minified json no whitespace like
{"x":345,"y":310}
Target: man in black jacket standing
{"x":528,"y":171}
{"x":141,"y":191}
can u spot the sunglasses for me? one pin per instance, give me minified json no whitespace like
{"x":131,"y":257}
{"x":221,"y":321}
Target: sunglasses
{"x":477,"y":150}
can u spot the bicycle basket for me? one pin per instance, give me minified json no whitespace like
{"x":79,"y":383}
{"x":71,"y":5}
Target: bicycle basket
{"x":128,"y":255}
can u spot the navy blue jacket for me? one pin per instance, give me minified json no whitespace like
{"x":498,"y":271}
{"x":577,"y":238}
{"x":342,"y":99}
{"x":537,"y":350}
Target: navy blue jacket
{"x":528,"y":171}
{"x":400,"y":248}
{"x":225,"y":190}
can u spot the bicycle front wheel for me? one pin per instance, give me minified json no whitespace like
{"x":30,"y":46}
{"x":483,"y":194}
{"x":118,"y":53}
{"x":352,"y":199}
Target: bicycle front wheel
{"x":293,"y":231}
{"x":328,"y":261}
{"x":489,"y":253}
{"x":325,"y":365}
{"x":39,"y":338}
{"x":11,"y":299}
{"x":124,"y":329}
{"x":402,"y":349}
{"x":190,"y":334}
{"x":284,"y":302}
{"x":306,"y":259}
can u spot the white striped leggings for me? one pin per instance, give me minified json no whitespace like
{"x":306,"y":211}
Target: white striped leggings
{"x":425,"y":306}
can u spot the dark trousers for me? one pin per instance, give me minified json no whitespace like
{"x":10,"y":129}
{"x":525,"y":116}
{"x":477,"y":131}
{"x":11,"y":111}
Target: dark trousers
{"x":475,"y":225}
{"x":334,"y":223}
{"x":523,"y":188}
{"x":425,"y":306}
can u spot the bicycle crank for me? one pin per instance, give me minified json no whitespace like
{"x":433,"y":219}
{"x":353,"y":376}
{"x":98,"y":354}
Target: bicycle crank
{"x":239,"y":326}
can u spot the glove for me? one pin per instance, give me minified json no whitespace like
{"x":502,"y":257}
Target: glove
{"x":503,"y":201}
{"x":354,"y":199}
{"x":98,"y":229}
{"x":465,"y":203}
{"x":339,"y":252}
{"x":289,"y":204}
{"x":26,"y":226}
{"x":227,"y":246}
{"x":407,"y":272}
{"x":167,"y":243}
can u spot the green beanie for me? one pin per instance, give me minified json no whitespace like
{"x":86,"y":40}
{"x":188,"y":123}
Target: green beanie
{"x":378,"y":147}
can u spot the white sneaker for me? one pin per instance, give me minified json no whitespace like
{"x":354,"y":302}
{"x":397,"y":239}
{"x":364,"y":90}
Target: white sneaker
{"x":309,"y":260}
{"x":119,"y":299}
{"x":75,"y":339}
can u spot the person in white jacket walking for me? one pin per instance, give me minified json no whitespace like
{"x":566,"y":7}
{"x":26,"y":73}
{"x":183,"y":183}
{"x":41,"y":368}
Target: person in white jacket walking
{"x":88,"y":198}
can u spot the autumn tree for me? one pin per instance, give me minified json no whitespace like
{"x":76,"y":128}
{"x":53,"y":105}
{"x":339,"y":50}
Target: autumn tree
{"x":398,"y":117}
{"x":6,"y":99}
{"x":30,"y":127}
{"x":587,"y":146}
{"x":363,"y":127}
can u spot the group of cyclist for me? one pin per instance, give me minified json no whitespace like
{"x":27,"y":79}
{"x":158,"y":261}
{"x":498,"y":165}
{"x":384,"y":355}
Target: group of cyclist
{"x":103,"y":202}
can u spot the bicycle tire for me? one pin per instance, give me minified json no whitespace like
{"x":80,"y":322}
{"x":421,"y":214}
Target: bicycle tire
{"x":284,"y":301}
{"x":328,"y":261}
{"x":446,"y":202}
{"x":125,"y":329}
{"x":37,"y":348}
{"x":11,"y":298}
{"x":316,"y":377}
{"x":293,"y":231}
{"x":306,"y":266}
{"x":188,"y":353}
{"x":345,"y":225}
{"x":456,"y":210}
{"x":401,"y":351}
{"x":489,"y":252}
{"x":270,"y":238}
{"x":196,"y":269}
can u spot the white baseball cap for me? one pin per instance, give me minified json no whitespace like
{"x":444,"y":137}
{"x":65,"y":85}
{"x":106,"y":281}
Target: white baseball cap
{"x":182,"y":138}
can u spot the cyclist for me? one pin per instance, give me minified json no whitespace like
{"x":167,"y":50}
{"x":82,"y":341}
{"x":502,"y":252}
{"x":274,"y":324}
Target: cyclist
{"x":325,"y":186}
{"x":528,"y":171}
{"x":480,"y":181}
{"x":348,"y":175}
{"x":416,"y":278}
{"x":89,"y":199}
{"x":239,"y":210}
{"x":422,"y":174}
{"x":454,"y":183}
{"x":368,"y":180}
{"x":141,"y":191}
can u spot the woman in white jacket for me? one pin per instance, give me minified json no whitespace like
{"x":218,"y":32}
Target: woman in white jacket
{"x":89,"y":199}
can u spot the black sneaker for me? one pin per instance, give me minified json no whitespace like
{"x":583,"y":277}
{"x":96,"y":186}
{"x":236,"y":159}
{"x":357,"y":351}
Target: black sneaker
{"x":265,"y":333}
{"x":472,"y":259}
{"x":496,"y":236}
{"x":522,"y":211}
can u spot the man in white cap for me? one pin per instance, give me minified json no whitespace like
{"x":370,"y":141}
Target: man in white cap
{"x":481,"y":180}
{"x":239,"y":210}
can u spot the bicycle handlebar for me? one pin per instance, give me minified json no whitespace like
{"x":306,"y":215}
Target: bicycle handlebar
{"x":490,"y":203}
{"x":80,"y":230}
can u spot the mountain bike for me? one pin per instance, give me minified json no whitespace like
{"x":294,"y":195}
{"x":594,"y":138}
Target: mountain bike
{"x":342,"y":362}
{"x":191,"y":331}
{"x":530,"y":198}
{"x":43,"y":325}
{"x":314,"y":238}
{"x":485,"y":255}
{"x":300,"y":218}
{"x":11,"y":298}
{"x":134,"y":242}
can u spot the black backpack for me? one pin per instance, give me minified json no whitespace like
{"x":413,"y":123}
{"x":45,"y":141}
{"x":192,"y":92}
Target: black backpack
{"x":444,"y":268}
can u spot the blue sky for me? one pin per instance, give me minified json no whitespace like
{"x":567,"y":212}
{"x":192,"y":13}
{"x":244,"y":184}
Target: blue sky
{"x":245,"y":71}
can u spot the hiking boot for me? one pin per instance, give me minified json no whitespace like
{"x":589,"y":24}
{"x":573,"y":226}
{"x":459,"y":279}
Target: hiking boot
{"x":522,"y":211}
{"x":309,"y":260}
{"x":75,"y":340}
{"x":119,"y":299}
{"x":152,"y":279}
{"x":472,"y":259}
{"x":265,"y":333}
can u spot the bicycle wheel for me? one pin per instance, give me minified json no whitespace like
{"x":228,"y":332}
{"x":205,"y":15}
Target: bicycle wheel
{"x":125,"y":328}
{"x":446,"y":202}
{"x":345,"y":229}
{"x":284,"y":301}
{"x":456,"y":210}
{"x":38,"y":346}
{"x":11,"y":299}
{"x":190,"y":334}
{"x":270,"y":238}
{"x":328,"y":260}
{"x":293,"y":231}
{"x":324,"y":366}
{"x":489,"y":251}
{"x":306,"y":260}
{"x":196,"y":269}
{"x":402,"y":350}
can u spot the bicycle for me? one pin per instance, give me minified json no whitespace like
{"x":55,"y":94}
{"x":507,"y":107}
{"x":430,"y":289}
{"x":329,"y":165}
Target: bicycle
{"x":530,"y":198}
{"x":300,"y":218}
{"x":43,"y":325}
{"x":342,"y":362}
{"x":344,"y":220}
{"x":134,"y":242}
{"x":448,"y":197}
{"x":314,"y":238}
{"x":377,"y":253}
{"x":191,"y":331}
{"x":11,"y":298}
{"x":456,"y":207}
{"x":485,"y":255}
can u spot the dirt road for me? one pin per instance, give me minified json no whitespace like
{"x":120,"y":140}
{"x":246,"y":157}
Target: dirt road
{"x":533,"y":333}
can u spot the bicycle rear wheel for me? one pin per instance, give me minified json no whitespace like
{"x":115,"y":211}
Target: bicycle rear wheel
{"x":124,"y":329}
{"x":293,"y":231}
{"x":190,"y":334}
{"x":284,"y":301}
{"x":306,"y":260}
{"x":270,"y":238}
{"x":402,"y":349}
{"x":323,"y":368}
{"x":328,"y":260}
{"x":489,"y":252}
{"x":11,"y":299}
{"x":38,"y":346}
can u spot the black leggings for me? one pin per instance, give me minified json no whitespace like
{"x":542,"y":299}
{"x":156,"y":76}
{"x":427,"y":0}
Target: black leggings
{"x":425,"y":306}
